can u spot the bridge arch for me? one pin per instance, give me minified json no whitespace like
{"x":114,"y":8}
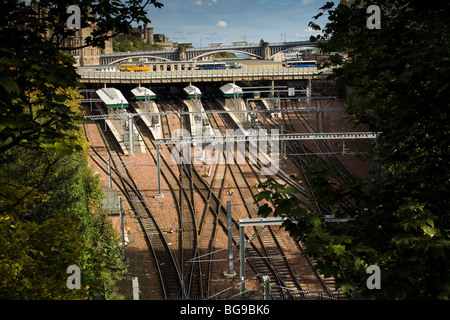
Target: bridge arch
{"x":139,"y":56}
{"x":305,"y":45}
{"x":226,"y":50}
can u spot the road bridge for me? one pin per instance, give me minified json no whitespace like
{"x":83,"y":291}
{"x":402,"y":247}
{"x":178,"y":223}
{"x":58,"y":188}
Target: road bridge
{"x":190,"y":76}
{"x":264,"y":51}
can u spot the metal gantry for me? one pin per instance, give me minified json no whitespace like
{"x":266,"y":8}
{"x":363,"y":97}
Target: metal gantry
{"x":309,"y":109}
{"x":254,"y":137}
{"x":251,"y":223}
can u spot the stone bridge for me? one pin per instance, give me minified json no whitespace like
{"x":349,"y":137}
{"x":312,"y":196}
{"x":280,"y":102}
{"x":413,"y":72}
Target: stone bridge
{"x":263,"y":51}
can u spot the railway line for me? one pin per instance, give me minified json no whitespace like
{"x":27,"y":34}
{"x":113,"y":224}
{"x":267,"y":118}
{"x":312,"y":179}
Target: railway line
{"x":187,"y":271}
{"x":321,"y":152}
{"x":214,"y":213}
{"x":302,"y":155}
{"x":182,"y":193}
{"x":273,"y":260}
{"x":169,"y":275}
{"x":324,"y":147}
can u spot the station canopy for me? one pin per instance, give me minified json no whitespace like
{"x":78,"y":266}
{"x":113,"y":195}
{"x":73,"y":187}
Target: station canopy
{"x":140,"y":93}
{"x":112,"y":98}
{"x":193,"y":91}
{"x":230,"y":90}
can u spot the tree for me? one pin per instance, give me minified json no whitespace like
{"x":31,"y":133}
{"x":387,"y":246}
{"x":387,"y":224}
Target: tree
{"x":35,"y":73}
{"x":50,"y":212}
{"x":399,"y":78}
{"x":60,"y":223}
{"x":33,"y":69}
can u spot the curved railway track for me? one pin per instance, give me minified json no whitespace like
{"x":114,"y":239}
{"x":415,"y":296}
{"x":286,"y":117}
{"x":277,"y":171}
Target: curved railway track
{"x":181,"y":190}
{"x":215,"y":213}
{"x":169,"y":275}
{"x":322,"y":154}
{"x":270,"y":259}
{"x":302,"y":155}
{"x":189,"y":275}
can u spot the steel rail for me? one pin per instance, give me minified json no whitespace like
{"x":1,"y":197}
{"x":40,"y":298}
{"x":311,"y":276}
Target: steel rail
{"x":169,"y":274}
{"x":157,"y":244}
{"x":262,"y":238}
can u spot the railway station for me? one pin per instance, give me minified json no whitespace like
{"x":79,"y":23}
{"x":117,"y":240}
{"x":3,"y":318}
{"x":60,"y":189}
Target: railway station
{"x":121,"y":126}
{"x":199,"y":123}
{"x":225,"y":165}
{"x":183,"y":209}
{"x":145,"y":104}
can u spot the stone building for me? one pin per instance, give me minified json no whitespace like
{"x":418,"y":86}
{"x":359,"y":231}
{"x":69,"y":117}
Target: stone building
{"x":89,"y":56}
{"x":83,"y":57}
{"x":147,"y":35}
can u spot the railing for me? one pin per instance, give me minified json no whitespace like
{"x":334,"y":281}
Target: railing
{"x":195,"y":74}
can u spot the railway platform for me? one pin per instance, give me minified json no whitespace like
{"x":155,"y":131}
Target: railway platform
{"x":116,"y":104}
{"x":152,"y":122}
{"x":199,"y":123}
{"x":240,"y":119}
{"x":121,"y":131}
{"x":271,"y":106}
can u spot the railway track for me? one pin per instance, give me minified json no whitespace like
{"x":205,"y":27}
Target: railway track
{"x":189,"y":275}
{"x":182,"y":192}
{"x":325,"y":154}
{"x":270,"y":258}
{"x":169,"y":276}
{"x":197,"y":273}
{"x":324,"y":147}
{"x":306,"y":154}
{"x":215,"y":214}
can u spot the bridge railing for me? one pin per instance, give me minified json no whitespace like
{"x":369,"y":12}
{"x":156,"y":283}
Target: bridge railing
{"x":190,"y":74}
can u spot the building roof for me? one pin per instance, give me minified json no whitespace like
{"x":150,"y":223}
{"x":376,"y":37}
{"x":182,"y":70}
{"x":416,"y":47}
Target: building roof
{"x":142,"y":92}
{"x":230,"y":89}
{"x":112,"y":97}
{"x":193,"y":90}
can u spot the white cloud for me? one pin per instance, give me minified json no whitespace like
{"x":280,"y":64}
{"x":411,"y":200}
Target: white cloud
{"x":200,"y":3}
{"x":307,"y":1}
{"x":221,"y":24}
{"x":306,"y":33}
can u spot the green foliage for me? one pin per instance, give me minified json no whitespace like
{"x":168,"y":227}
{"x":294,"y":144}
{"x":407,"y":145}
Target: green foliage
{"x":134,"y":45}
{"x":53,"y":220}
{"x":398,"y":77}
{"x":220,"y":55}
{"x":50,"y":201}
{"x":34,"y":258}
{"x":34,"y":73}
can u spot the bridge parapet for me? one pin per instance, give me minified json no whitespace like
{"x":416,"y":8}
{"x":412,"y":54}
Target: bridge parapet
{"x":245,"y":74}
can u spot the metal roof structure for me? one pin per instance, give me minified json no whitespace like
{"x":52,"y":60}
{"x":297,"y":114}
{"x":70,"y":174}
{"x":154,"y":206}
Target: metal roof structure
{"x":193,"y":91}
{"x":141,"y":92}
{"x":230,"y":90}
{"x":112,"y":98}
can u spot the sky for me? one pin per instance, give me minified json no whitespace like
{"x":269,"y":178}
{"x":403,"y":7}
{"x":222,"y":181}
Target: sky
{"x":202,"y":22}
